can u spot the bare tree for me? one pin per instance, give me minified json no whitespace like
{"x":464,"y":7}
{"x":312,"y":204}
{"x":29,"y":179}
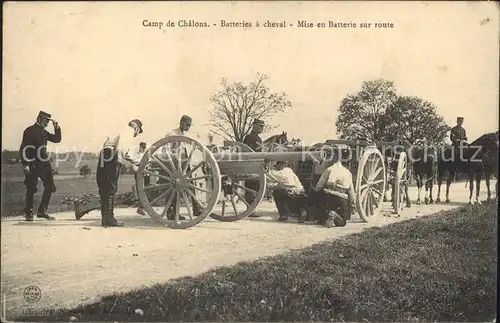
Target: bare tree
{"x":236,"y":105}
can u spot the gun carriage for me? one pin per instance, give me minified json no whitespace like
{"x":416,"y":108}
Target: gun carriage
{"x":184,"y":172}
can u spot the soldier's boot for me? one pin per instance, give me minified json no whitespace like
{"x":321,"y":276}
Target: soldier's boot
{"x":29,"y":207}
{"x":104,"y":209}
{"x":44,"y":204}
{"x":110,"y":215}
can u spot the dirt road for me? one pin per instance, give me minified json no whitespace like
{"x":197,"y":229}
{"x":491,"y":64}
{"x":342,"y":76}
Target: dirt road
{"x":74,"y":262}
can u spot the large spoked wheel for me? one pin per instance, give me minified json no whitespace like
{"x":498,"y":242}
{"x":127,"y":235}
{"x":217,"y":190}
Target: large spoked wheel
{"x":235,"y":188}
{"x":370,"y":184}
{"x":399,"y":183}
{"x":188,"y":185}
{"x":239,"y":182}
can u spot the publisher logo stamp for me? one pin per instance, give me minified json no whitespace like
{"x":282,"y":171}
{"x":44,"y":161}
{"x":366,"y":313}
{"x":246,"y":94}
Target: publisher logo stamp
{"x":32,"y":294}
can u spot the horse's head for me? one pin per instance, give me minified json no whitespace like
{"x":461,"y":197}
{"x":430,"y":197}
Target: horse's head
{"x":282,"y":139}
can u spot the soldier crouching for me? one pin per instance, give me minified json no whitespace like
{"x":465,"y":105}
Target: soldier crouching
{"x":111,"y":158}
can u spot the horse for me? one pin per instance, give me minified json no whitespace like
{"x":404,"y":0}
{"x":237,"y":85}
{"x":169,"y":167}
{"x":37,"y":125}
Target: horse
{"x":475,"y":159}
{"x":276,"y":143}
{"x":423,"y":158}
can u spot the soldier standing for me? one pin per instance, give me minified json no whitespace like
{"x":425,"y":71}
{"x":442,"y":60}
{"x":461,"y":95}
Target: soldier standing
{"x":185,"y":124}
{"x":457,"y":133}
{"x":114,"y":152}
{"x":253,"y":141}
{"x":139,"y":153}
{"x":36,"y":163}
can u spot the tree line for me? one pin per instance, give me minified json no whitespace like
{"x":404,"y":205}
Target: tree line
{"x":376,"y":112}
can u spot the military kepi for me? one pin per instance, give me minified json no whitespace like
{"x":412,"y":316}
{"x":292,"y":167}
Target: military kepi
{"x":258,"y":122}
{"x":138,"y":123}
{"x":186,"y":118}
{"x":460,"y":118}
{"x":45,"y":115}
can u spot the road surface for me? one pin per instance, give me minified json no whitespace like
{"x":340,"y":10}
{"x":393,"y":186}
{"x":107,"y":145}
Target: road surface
{"x":74,"y":262}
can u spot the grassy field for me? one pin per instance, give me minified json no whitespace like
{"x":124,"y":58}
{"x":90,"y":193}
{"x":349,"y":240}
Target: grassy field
{"x":68,"y":182}
{"x":437,"y":268}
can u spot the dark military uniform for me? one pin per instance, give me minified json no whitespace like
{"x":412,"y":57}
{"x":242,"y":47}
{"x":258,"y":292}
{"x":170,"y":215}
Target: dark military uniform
{"x":457,"y":134}
{"x":253,"y":141}
{"x":33,"y":152}
{"x":109,"y":166}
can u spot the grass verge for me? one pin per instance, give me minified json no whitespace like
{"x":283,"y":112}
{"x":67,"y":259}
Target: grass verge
{"x":437,"y":268}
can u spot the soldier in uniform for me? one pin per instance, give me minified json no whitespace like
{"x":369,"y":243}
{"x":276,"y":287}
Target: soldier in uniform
{"x":185,"y":124}
{"x":114,"y":152}
{"x":253,"y":141}
{"x":139,"y":153}
{"x":457,"y":133}
{"x":36,"y":163}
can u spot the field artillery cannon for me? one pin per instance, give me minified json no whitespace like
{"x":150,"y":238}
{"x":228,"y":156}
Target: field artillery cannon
{"x":187,"y":170}
{"x":219,"y":181}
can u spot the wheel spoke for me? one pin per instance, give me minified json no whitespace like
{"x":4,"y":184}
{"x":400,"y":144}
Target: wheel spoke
{"x":165,"y":168}
{"x":375,"y":174}
{"x":203,"y":206}
{"x":245,"y":188}
{"x":375,"y":199}
{"x":223,"y":207}
{"x":378,"y":181}
{"x":177,"y":206}
{"x":199,"y":178}
{"x":234,"y":207}
{"x":179,"y":165}
{"x":184,"y":197}
{"x":376,"y":190}
{"x":198,"y":188}
{"x":155,"y":187}
{"x":169,"y":202}
{"x":158,"y":175}
{"x":374,"y":164}
{"x":195,"y":168}
{"x":242,"y":199}
{"x":162,"y":195}
{"x":184,"y":169}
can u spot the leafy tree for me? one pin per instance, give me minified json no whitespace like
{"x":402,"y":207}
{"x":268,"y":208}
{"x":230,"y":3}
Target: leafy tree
{"x":85,"y":171}
{"x":411,"y":118}
{"x":236,"y":105}
{"x":361,"y":113}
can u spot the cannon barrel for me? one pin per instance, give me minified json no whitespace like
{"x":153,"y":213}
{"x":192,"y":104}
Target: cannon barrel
{"x":271,"y":156}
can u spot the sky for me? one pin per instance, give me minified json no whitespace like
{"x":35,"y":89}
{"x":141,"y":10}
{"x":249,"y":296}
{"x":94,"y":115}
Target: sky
{"x":94,"y":66}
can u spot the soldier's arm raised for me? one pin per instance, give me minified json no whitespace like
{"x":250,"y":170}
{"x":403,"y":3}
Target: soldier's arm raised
{"x":56,"y":136}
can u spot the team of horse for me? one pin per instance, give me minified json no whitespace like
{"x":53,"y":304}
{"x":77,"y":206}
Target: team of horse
{"x":429,"y":164}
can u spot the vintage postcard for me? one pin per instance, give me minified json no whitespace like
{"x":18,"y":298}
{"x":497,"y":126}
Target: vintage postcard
{"x":249,"y":161}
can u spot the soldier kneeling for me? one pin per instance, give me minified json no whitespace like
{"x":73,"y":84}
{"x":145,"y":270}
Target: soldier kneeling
{"x":333,"y":196}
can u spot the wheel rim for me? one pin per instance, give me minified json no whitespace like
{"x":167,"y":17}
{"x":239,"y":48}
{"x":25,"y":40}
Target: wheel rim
{"x":188,"y":173}
{"x":233,"y":205}
{"x":399,"y":183}
{"x":370,"y":184}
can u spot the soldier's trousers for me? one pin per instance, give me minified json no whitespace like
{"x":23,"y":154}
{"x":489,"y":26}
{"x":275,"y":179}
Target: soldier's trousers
{"x":43,"y":171}
{"x":288,"y":203}
{"x":107,"y":175}
{"x":253,"y":185}
{"x":325,"y":202}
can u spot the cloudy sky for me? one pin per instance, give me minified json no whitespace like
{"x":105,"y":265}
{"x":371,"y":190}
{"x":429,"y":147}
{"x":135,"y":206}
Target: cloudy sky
{"x":94,"y":66}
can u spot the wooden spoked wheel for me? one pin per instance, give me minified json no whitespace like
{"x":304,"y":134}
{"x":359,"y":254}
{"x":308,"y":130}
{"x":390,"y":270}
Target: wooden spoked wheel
{"x":370,"y":183}
{"x":236,"y":176}
{"x":188,"y":184}
{"x":399,"y":183}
